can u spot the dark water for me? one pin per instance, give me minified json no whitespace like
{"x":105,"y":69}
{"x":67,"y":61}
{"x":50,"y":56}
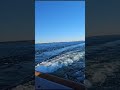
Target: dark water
{"x":103,"y":62}
{"x":16,"y":63}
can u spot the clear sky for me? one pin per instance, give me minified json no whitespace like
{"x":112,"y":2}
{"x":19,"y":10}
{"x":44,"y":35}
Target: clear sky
{"x":59,"y":21}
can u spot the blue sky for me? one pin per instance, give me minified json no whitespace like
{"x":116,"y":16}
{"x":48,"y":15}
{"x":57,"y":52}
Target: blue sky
{"x":59,"y":21}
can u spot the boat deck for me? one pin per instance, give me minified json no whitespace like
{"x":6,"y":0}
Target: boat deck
{"x":43,"y":84}
{"x":46,"y":81}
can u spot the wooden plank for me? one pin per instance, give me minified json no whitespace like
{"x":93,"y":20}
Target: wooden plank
{"x":68,"y":83}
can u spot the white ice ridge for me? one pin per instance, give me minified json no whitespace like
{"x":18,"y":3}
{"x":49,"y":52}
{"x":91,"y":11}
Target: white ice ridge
{"x":59,"y":61}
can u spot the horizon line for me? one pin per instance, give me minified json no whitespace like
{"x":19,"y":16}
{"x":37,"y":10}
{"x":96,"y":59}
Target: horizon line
{"x":57,"y":42}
